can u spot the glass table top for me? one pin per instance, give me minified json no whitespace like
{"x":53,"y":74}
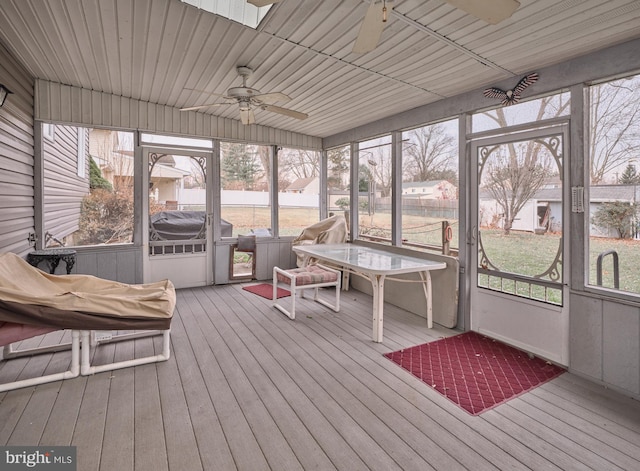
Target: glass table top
{"x":367,"y":258}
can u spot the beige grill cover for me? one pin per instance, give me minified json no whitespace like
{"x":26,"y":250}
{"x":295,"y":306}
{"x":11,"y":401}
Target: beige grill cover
{"x":31,"y":296}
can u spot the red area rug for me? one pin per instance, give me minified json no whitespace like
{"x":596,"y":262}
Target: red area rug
{"x":266,"y":290}
{"x":474,"y":371}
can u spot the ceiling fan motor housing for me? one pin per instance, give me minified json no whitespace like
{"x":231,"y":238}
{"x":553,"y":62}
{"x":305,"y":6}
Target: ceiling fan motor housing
{"x":240,"y":92}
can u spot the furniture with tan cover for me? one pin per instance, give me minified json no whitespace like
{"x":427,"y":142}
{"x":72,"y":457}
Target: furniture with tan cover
{"x":332,"y":230}
{"x":33,"y":302}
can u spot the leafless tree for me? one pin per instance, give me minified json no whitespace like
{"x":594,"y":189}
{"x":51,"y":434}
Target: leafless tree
{"x":429,"y":154}
{"x":514,"y":172}
{"x":299,"y":163}
{"x":197,"y":179}
{"x":614,"y":136}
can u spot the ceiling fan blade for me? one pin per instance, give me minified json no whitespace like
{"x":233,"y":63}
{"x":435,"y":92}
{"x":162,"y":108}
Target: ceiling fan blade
{"x":491,"y":11}
{"x":371,"y":28}
{"x":191,"y":108}
{"x":272,"y":97}
{"x":205,"y":92}
{"x":285,"y":111}
{"x":247,"y":117}
{"x":262,"y":3}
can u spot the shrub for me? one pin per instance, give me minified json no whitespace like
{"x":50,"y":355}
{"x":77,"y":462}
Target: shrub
{"x":342,"y":203}
{"x":106,"y":217}
{"x":617,"y":215}
{"x":96,"y":180}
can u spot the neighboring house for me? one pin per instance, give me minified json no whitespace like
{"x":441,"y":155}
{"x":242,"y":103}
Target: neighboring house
{"x":544,"y":211}
{"x":309,"y":185}
{"x":167,"y":181}
{"x":432,"y":189}
{"x":102,"y":141}
{"x":66,"y":179}
{"x":117,"y":167}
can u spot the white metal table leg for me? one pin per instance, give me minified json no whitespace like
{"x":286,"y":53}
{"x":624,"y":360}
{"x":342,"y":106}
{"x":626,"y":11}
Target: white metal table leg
{"x":377,"y":282}
{"x":426,"y":286}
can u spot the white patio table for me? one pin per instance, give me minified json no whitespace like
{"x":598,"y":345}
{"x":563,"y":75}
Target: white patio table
{"x":376,"y":265}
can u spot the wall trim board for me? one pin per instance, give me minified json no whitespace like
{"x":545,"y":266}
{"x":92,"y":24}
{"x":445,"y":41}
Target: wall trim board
{"x":59,"y":103}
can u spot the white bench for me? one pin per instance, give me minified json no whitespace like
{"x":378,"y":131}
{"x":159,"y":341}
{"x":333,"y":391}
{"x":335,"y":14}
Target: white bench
{"x":299,"y":279}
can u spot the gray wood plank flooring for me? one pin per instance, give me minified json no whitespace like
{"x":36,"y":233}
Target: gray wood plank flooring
{"x":246,"y":388}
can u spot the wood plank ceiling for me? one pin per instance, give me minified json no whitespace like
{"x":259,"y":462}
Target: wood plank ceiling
{"x":156,"y":50}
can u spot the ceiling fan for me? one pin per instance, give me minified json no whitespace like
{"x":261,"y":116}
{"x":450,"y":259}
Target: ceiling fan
{"x":249,"y":99}
{"x":491,"y":11}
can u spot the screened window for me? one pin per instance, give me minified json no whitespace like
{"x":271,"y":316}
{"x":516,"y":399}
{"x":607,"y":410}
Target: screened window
{"x":93,"y":209}
{"x":298,"y":190}
{"x":338,"y":180}
{"x":614,"y":178}
{"x":526,"y":112}
{"x":430,"y":186}
{"x":245,"y":180}
{"x":374,"y":190}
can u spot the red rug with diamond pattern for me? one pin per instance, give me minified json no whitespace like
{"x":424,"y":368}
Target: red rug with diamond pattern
{"x":474,"y":371}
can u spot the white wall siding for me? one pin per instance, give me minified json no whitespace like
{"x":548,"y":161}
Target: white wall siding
{"x":63,"y":188}
{"x":65,"y":104}
{"x":118,"y":263}
{"x":16,"y":157}
{"x":605,"y":342}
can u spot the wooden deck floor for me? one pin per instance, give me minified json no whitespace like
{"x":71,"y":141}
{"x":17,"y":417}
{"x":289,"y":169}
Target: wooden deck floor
{"x":248,"y":389}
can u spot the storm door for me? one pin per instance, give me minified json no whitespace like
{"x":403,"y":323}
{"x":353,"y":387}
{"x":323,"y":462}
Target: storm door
{"x":518,"y":238}
{"x":178,"y":215}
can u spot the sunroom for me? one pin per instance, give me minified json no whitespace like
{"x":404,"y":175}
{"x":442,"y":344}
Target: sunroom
{"x":149,"y":137}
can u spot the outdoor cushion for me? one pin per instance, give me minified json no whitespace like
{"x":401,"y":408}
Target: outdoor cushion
{"x":309,"y":275}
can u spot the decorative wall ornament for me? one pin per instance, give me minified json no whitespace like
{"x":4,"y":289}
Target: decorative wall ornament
{"x":511,"y":97}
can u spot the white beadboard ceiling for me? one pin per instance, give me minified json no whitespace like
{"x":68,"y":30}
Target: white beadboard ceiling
{"x":154,"y":50}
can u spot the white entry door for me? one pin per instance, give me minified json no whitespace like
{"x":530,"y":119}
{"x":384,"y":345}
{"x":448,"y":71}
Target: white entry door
{"x":518,"y":241}
{"x":177,"y":217}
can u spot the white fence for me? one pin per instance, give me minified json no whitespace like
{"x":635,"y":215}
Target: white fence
{"x":197,"y":197}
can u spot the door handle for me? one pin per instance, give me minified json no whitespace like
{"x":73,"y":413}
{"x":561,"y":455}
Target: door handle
{"x":473,"y":235}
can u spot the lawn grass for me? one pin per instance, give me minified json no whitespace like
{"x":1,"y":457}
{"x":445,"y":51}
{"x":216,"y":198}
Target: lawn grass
{"x":530,"y":254}
{"x":291,"y":221}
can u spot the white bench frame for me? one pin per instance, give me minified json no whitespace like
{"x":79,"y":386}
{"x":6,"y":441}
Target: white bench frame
{"x":81,"y":345}
{"x":294,"y":288}
{"x":72,"y":372}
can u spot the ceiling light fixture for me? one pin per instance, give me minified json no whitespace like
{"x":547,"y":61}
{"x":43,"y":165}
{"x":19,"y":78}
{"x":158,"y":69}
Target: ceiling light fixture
{"x":384,"y":11}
